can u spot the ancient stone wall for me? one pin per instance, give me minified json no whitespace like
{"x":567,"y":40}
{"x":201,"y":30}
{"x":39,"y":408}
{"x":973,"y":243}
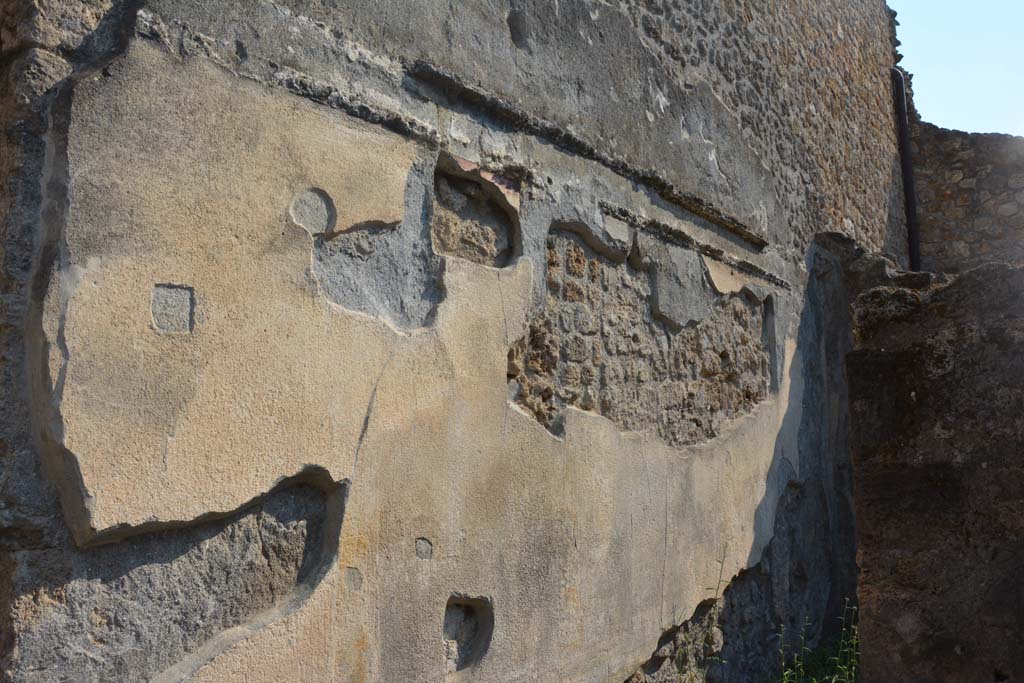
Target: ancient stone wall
{"x":935,"y":404}
{"x":970,"y":190}
{"x":605,"y":342}
{"x":430,"y":341}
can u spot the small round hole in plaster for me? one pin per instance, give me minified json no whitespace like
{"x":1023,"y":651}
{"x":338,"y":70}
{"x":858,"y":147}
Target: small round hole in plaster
{"x":314,"y":210}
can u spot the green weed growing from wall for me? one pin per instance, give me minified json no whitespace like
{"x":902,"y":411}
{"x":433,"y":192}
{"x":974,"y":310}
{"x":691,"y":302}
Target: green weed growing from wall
{"x":837,"y":663}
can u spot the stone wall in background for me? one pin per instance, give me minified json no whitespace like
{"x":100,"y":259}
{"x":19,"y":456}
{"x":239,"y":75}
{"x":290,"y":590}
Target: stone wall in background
{"x":936,"y":430}
{"x":970,"y":190}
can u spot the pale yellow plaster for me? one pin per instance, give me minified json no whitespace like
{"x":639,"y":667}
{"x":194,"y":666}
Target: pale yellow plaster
{"x":274,"y":376}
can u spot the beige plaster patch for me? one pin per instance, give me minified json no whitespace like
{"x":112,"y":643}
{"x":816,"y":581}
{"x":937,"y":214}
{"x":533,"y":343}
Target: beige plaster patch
{"x":726,"y":279}
{"x":198,"y":197}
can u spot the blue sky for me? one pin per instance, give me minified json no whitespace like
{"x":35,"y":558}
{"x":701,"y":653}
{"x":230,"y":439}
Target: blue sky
{"x":968,"y":62}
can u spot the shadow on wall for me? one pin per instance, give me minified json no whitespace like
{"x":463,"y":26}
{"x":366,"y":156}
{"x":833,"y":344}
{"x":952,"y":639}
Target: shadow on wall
{"x":799,"y":584}
{"x":159,"y":605}
{"x":803,"y":561}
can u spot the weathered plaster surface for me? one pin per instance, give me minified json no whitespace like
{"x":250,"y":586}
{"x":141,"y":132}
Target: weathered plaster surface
{"x":271,"y":378}
{"x":276,"y":377}
{"x":230,"y":260}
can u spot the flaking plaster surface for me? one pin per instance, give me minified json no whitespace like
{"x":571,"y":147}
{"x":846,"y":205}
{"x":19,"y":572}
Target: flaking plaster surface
{"x":276,"y":377}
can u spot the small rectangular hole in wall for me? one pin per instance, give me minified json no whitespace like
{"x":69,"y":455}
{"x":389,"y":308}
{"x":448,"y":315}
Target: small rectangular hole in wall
{"x":173,"y":308}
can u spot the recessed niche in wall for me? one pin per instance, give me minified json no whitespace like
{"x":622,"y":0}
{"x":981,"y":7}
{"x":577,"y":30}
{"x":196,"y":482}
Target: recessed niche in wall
{"x":468,"y":626}
{"x":475,"y":214}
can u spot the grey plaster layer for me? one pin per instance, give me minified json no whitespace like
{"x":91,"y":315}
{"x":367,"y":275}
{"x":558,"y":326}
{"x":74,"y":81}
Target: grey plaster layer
{"x":314,"y":210}
{"x":130,"y":610}
{"x":389,"y":271}
{"x":173,"y":308}
{"x":679,"y":291}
